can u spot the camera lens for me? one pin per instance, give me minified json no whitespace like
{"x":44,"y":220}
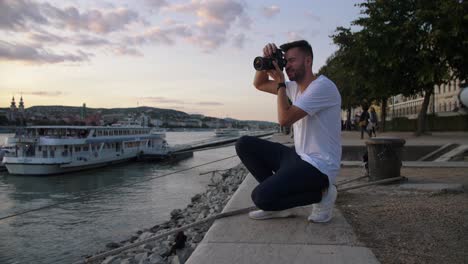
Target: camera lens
{"x":258,"y":63}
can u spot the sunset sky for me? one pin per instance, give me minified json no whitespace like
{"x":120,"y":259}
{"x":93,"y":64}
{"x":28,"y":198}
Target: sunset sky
{"x":194,"y":56}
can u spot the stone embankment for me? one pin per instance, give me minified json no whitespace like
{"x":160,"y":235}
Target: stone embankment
{"x":177,"y":248}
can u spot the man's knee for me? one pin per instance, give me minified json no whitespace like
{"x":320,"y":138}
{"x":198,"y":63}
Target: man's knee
{"x":261,"y":200}
{"x":243,"y":143}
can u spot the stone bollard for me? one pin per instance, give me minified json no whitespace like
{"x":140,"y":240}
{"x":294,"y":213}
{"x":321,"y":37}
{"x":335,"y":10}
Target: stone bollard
{"x":385,"y":155}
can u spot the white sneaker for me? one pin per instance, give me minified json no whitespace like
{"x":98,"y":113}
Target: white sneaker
{"x":323,"y":212}
{"x":262,"y":215}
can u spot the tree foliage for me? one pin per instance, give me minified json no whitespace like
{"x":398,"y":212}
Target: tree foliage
{"x":402,"y":47}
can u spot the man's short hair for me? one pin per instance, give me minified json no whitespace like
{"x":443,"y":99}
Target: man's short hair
{"x":303,"y":45}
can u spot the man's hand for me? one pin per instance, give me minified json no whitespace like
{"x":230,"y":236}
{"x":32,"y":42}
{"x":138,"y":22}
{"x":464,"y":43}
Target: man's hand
{"x":269,"y":49}
{"x":261,"y":80}
{"x":277,"y":75}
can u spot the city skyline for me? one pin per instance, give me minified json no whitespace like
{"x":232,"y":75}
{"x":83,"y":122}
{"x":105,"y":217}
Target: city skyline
{"x":192,"y":56}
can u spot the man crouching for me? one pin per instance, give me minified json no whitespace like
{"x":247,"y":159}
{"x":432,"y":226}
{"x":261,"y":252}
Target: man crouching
{"x":305,"y":175}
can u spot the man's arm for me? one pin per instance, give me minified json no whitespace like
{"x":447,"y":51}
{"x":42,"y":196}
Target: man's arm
{"x":287,"y":114}
{"x":262,"y":83}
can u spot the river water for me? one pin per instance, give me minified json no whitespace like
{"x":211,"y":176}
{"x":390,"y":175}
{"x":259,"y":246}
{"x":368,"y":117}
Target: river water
{"x":129,"y":200}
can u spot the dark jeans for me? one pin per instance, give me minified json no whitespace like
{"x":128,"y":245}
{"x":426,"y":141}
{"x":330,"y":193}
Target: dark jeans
{"x":364,"y":129}
{"x":286,"y":180}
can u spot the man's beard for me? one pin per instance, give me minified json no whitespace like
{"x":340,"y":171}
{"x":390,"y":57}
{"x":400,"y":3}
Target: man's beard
{"x":298,"y":74}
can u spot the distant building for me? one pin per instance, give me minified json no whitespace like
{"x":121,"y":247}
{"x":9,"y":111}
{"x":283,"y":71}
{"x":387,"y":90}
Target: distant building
{"x":94,"y":120}
{"x":175,"y":123}
{"x":211,"y":124}
{"x":83,"y":113}
{"x":444,"y":102}
{"x":112,"y":118}
{"x":156,"y":122}
{"x":17,"y":114}
{"x":193,"y":122}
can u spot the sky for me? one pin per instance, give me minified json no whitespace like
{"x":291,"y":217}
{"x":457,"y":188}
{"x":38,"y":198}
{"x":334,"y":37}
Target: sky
{"x":190,"y":55}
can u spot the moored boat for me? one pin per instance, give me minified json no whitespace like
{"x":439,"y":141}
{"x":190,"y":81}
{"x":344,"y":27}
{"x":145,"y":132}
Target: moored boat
{"x":44,"y":150}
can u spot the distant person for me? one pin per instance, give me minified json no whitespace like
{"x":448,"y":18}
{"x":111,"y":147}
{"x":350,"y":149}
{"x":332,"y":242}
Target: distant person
{"x":305,"y":175}
{"x":372,"y":122}
{"x":356,"y":121}
{"x":363,"y":122}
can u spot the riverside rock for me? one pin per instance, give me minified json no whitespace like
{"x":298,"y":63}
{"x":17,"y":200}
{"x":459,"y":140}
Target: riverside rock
{"x":196,"y":197}
{"x":112,"y":245}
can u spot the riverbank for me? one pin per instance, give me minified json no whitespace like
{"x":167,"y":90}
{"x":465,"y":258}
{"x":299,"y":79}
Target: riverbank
{"x":212,"y":201}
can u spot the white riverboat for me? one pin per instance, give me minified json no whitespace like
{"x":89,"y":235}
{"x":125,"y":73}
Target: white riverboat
{"x":44,"y":150}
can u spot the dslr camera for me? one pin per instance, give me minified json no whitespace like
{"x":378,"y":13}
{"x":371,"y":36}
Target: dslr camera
{"x":266,"y":63}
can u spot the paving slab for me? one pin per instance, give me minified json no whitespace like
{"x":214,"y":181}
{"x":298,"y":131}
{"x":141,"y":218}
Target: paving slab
{"x":416,"y":164}
{"x":229,"y":253}
{"x":238,"y":239}
{"x":434,"y":187}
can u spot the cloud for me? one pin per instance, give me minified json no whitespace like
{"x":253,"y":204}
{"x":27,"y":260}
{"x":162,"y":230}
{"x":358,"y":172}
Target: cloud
{"x":122,"y":50}
{"x":311,"y":16}
{"x":37,"y":55}
{"x":239,"y":41}
{"x":85,"y":40}
{"x":270,"y":11}
{"x":45,"y":93}
{"x":294,"y":35}
{"x":35,"y":25}
{"x":156,"y":4}
{"x":165,"y":100}
{"x":160,"y":35}
{"x":18,"y":14}
{"x":94,"y":20}
{"x":79,"y":40}
{"x":161,"y":100}
{"x":45,"y":37}
{"x":214,"y":19}
{"x":210,"y":103}
{"x":23,"y":14}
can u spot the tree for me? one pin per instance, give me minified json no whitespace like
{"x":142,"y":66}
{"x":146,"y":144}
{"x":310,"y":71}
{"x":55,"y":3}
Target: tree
{"x":356,"y":69}
{"x":415,"y":44}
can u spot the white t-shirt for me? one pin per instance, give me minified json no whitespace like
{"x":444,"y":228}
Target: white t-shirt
{"x":317,"y":136}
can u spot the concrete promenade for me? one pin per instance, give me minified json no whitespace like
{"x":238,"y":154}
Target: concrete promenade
{"x":239,"y":239}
